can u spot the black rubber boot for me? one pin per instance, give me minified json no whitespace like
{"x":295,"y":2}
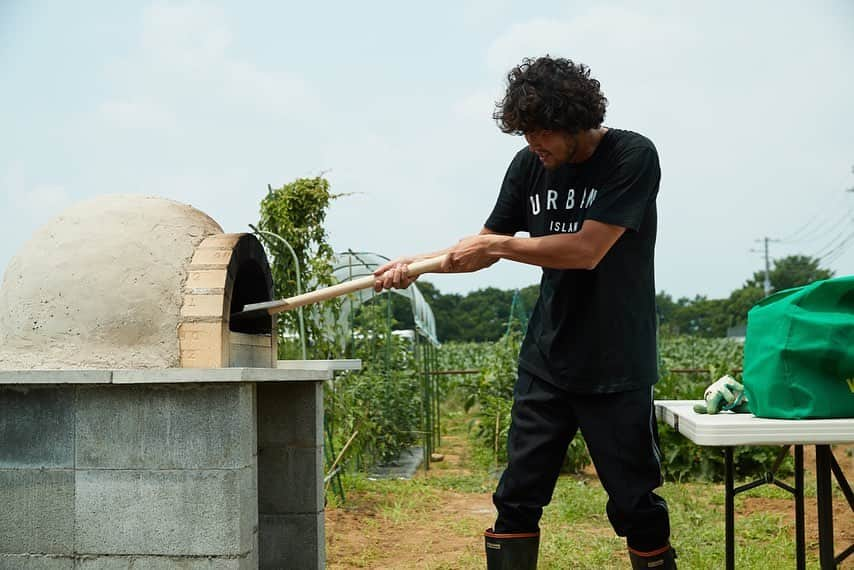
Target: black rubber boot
{"x":511,"y":551}
{"x":661,"y":559}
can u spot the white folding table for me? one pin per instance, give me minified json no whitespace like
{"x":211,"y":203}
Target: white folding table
{"x":728,"y":430}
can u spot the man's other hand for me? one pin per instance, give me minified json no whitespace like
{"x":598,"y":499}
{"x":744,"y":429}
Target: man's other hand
{"x":394,"y":274}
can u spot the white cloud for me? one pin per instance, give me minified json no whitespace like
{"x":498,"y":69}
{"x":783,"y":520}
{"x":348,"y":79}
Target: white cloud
{"x":602,"y":36}
{"x":477,"y":105}
{"x":198,"y":102}
{"x":484,"y":12}
{"x":273,"y":92}
{"x":29,"y":200}
{"x":46,"y":197}
{"x":725,"y":101}
{"x":188,"y":56}
{"x":526,"y":39}
{"x":186,"y":37}
{"x":137,"y":115}
{"x":26,"y":205}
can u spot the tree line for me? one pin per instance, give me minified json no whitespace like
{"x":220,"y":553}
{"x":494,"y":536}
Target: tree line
{"x":296,"y":213}
{"x":485,"y":314}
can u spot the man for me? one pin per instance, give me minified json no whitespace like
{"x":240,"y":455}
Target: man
{"x":586,"y":196}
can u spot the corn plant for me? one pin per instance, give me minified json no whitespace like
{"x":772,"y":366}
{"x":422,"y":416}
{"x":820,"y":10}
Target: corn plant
{"x":688,"y":364}
{"x":489,"y":395}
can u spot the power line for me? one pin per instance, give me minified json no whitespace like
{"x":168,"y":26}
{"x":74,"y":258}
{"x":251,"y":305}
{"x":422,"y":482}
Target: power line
{"x":821,"y":230}
{"x":839,"y":250}
{"x":809,"y":228}
{"x":814,"y":228}
{"x":832,"y":243}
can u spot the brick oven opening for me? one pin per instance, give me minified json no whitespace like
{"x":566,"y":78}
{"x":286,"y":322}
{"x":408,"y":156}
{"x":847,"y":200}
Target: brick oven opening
{"x":250,"y":286}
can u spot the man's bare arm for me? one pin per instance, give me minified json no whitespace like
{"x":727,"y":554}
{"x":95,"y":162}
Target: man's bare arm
{"x":581,"y":250}
{"x":393,"y":274}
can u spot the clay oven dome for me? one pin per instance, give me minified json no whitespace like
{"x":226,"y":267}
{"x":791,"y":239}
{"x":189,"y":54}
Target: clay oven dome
{"x":111,"y":282}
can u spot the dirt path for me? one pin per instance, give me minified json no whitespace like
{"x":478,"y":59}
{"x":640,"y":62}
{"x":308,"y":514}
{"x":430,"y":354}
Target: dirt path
{"x":438,"y":529}
{"x":843,"y":518}
{"x":445,"y":534}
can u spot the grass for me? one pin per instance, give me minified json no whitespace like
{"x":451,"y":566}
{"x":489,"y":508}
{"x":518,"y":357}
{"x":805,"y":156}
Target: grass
{"x":576,"y":531}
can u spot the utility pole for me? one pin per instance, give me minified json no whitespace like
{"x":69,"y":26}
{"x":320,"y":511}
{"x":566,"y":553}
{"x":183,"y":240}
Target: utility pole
{"x":767,"y":284}
{"x":767,"y":270}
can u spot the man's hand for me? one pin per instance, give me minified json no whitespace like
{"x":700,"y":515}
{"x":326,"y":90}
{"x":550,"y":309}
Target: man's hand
{"x":394,"y":274}
{"x":472,"y":254}
{"x":724,"y":394}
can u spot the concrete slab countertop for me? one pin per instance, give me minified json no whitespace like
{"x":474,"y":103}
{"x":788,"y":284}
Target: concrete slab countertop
{"x":307,"y":373}
{"x":333,"y":365}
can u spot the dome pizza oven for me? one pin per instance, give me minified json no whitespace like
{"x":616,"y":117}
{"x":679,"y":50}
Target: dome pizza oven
{"x":139,"y":425}
{"x":135,"y":282}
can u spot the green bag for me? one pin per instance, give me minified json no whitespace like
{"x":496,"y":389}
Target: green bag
{"x":799,"y":352}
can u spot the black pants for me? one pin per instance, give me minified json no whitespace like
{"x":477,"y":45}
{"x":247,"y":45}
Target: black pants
{"x":622,"y":437}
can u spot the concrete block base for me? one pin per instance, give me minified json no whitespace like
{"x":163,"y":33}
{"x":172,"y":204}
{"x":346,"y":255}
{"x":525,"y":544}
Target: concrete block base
{"x":39,"y":562}
{"x":35,"y":562}
{"x":140,"y":474}
{"x":279,"y":535}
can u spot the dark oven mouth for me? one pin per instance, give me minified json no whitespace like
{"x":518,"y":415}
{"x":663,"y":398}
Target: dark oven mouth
{"x":251,"y":285}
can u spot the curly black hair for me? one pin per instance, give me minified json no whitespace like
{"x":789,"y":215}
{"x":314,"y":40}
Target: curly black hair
{"x":550,"y":93}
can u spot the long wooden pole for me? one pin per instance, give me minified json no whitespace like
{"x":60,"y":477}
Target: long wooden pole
{"x":431,"y":265}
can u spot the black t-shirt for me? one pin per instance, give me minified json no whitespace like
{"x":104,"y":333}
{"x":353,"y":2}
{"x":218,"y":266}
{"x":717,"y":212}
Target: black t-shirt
{"x":592,"y":331}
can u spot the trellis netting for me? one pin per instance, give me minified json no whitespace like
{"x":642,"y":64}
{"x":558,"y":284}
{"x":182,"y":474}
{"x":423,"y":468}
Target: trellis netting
{"x":352,"y":265}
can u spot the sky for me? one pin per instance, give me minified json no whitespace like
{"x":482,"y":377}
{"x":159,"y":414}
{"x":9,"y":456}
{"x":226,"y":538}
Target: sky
{"x":750,"y":105}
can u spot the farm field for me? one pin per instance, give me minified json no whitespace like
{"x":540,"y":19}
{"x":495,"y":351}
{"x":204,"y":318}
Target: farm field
{"x":435,"y":520}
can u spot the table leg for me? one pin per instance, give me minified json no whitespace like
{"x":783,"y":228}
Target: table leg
{"x":843,"y":482}
{"x":824,"y":507}
{"x":800,"y":540}
{"x":729,"y":498}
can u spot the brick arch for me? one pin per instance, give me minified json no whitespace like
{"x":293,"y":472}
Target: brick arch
{"x":226,"y":270}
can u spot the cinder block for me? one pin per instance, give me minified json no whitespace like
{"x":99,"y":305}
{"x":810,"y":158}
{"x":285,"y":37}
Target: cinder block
{"x":37,"y":427}
{"x":290,"y":480}
{"x":292,"y":541}
{"x":290,"y":414}
{"x":191,"y":513}
{"x":35,"y":562}
{"x":37,"y":513}
{"x":250,"y":562}
{"x":161,"y":563}
{"x":166,"y":427}
{"x":249,"y":512}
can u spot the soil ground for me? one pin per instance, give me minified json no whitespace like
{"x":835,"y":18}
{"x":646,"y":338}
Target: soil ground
{"x":445,"y":533}
{"x":442,"y":529}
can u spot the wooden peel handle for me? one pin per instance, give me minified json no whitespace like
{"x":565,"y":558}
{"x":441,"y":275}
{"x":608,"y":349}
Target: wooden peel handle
{"x":417,"y":268}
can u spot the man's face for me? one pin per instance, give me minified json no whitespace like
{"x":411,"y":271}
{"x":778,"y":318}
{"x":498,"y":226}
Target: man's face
{"x":553,"y":148}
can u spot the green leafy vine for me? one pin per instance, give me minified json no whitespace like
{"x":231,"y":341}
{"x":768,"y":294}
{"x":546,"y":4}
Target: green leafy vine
{"x":296,"y":212}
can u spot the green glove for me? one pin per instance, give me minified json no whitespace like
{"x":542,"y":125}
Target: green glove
{"x":724,"y":394}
